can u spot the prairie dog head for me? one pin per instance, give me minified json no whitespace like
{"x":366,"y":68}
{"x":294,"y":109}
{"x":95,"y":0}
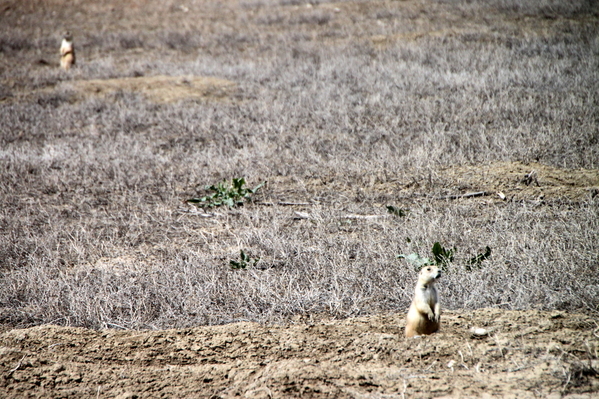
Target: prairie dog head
{"x":67,"y":37}
{"x":429,"y":275}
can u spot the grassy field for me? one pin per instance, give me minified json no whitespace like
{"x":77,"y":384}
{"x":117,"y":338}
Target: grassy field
{"x":342,"y":109}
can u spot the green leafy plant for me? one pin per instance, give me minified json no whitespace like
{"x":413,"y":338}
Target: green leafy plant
{"x":478,"y":259}
{"x":416,"y":260}
{"x":244,"y":261}
{"x":397,"y":211}
{"x":441,"y":257}
{"x":231,"y":195}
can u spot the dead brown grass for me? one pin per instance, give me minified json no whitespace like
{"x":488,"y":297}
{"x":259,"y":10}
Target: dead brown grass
{"x":347,"y":106}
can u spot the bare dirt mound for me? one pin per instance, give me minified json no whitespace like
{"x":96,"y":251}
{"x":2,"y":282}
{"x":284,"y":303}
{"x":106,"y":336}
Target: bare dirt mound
{"x":523,"y":354}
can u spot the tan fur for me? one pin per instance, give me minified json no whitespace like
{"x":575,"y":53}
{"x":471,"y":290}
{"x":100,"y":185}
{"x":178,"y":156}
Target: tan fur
{"x":424,"y":316}
{"x":67,"y":52}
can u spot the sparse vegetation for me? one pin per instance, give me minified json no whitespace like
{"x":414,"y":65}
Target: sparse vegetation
{"x":231,"y":195}
{"x":477,"y":260}
{"x":397,"y":211}
{"x":344,"y":107}
{"x":244,"y":261}
{"x":416,"y":260}
{"x":441,"y":257}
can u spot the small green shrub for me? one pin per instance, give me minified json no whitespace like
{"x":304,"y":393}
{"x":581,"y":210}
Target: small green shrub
{"x":416,"y":260}
{"x":442,"y":257}
{"x":244,"y":261}
{"x":478,"y":259}
{"x":397,"y":211}
{"x":231,"y":195}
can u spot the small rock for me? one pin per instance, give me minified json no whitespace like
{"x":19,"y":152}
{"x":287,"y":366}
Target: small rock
{"x":478,"y":332}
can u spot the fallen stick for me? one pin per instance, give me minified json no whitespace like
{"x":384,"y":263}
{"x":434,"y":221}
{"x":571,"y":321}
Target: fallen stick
{"x":467,"y":195}
{"x":364,"y":216}
{"x":283,"y":203}
{"x":305,"y":215}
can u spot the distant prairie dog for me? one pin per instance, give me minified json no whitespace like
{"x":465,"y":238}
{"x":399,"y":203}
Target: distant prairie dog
{"x":424,"y":316}
{"x":67,"y":52}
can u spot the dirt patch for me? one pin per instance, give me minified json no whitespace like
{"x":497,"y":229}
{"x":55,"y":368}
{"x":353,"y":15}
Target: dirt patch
{"x":523,"y":353}
{"x":499,"y":181}
{"x":521,"y":181}
{"x":159,"y":89}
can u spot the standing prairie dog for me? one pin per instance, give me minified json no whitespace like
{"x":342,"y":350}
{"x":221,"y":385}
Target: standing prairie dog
{"x":424,"y":315}
{"x":67,"y":52}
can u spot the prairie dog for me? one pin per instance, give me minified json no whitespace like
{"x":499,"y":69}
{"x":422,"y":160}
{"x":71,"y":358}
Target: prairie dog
{"x":67,"y":52}
{"x":424,"y":316}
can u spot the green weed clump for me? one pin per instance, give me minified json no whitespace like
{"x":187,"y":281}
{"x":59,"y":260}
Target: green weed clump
{"x":223,"y":193}
{"x":477,"y":260}
{"x":442,"y":257}
{"x":393,"y":210}
{"x":244,"y":262}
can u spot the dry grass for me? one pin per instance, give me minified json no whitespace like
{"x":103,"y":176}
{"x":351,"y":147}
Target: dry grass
{"x":348,"y":106}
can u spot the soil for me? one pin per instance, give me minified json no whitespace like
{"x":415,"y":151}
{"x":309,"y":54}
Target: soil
{"x":490,"y":182}
{"x":519,"y":181}
{"x":159,"y":89}
{"x":516,"y":354}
